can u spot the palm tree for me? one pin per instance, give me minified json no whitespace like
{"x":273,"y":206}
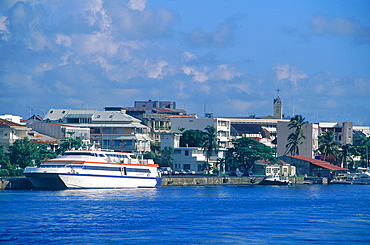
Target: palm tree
{"x":327,"y":145}
{"x":297,"y":123}
{"x":210,"y":144}
{"x":294,"y":140}
{"x":345,"y":153}
{"x":296,"y":137}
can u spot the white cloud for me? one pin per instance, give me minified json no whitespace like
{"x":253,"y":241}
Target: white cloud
{"x":137,"y":4}
{"x":285,"y":71}
{"x":339,"y":26}
{"x":189,"y":56}
{"x":63,"y":40}
{"x":224,"y":72}
{"x":156,"y":70}
{"x":2,"y":23}
{"x":198,"y":76}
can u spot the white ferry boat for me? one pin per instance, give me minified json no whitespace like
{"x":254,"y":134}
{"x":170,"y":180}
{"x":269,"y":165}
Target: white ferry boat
{"x":95,"y":169}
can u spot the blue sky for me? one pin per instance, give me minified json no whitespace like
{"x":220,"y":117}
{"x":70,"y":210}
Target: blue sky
{"x":225,"y":57}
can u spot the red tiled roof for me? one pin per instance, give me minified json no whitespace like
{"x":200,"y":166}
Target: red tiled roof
{"x":6,"y":123}
{"x":320,"y":163}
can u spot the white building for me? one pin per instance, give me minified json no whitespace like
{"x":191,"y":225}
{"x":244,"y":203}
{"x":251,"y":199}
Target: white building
{"x":113,"y":130}
{"x":222,"y":126}
{"x":11,"y":131}
{"x":343,"y":131}
{"x":11,"y":118}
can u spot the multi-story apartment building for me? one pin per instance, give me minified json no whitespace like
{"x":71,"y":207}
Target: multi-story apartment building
{"x":156,"y":115}
{"x":222,"y":126}
{"x":343,"y":131}
{"x":310,"y":142}
{"x":112,"y":130}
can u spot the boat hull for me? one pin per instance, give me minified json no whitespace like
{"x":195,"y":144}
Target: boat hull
{"x":79,"y":181}
{"x":268,"y":182}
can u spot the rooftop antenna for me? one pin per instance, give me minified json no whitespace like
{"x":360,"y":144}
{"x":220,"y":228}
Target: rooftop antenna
{"x":30,"y":110}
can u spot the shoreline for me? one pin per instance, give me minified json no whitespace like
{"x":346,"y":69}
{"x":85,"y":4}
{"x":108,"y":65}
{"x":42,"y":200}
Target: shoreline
{"x":22,"y":183}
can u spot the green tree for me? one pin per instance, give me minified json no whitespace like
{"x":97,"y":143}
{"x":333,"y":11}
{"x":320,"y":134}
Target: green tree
{"x":245,"y":152}
{"x":363,"y":149}
{"x":4,"y":159}
{"x":209,"y":145}
{"x":22,"y":153}
{"x":151,"y":155}
{"x":68,"y":144}
{"x":327,"y":145}
{"x":296,"y":137}
{"x":192,"y":138}
{"x":345,"y":154}
{"x":44,"y":153}
{"x":167,"y":157}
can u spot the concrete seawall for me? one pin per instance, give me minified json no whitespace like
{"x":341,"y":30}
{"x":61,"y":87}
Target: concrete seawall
{"x":24,"y":184}
{"x":219,"y":180}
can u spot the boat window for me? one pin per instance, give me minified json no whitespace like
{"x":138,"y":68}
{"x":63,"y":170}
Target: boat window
{"x":101,"y":155}
{"x":138,"y":170}
{"x":77,"y":153}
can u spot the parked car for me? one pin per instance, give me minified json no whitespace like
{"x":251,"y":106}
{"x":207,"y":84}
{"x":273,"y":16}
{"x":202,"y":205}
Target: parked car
{"x":236,"y":173}
{"x":248,"y":173}
{"x":165,"y":170}
{"x":188,"y":171}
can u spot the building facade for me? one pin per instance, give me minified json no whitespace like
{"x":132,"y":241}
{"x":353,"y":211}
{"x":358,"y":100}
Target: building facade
{"x":11,"y":131}
{"x":309,"y":144}
{"x":222,"y":126}
{"x":343,"y":131}
{"x":113,"y":130}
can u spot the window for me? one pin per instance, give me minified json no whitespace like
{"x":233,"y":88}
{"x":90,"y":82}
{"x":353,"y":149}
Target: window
{"x":186,"y":153}
{"x":117,"y":143}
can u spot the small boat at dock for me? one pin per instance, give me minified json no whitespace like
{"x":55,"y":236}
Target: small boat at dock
{"x":275,"y":180}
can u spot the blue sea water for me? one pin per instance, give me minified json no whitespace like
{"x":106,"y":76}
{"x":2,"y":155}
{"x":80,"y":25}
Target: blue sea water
{"x":310,"y":214}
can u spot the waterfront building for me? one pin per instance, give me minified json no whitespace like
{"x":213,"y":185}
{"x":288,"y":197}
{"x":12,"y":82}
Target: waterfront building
{"x":343,"y":131}
{"x":188,"y":158}
{"x":113,"y":130}
{"x":155,"y":115}
{"x":281,"y":168}
{"x":60,"y":131}
{"x":222,"y":126}
{"x":11,"y":118}
{"x":313,"y":167}
{"x":11,"y":131}
{"x":309,"y":144}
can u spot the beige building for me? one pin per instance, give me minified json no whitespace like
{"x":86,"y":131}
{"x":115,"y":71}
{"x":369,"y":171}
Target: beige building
{"x":310,"y":143}
{"x":10,"y":132}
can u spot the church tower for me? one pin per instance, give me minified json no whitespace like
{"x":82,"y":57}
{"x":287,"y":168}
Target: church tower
{"x":278,"y":106}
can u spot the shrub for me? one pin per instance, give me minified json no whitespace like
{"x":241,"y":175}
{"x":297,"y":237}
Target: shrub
{"x":16,"y":172}
{"x":4,"y":172}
